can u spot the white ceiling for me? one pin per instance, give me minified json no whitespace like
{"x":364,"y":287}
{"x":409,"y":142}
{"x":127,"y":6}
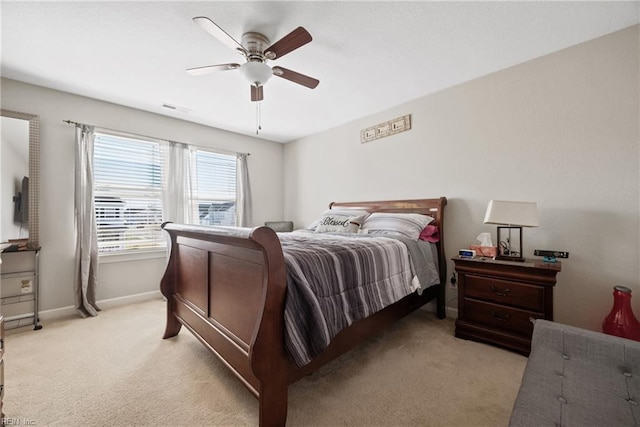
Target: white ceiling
{"x":368,"y":56}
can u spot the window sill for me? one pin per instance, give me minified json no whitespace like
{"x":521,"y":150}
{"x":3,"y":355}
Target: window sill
{"x":107,"y":258}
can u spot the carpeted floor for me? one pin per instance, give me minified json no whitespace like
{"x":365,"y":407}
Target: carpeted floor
{"x":116,"y":370}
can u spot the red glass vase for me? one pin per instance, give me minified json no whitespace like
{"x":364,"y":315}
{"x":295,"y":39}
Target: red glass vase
{"x":621,"y":322}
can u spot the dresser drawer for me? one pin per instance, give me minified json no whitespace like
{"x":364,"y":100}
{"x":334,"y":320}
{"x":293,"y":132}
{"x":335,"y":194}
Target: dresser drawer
{"x":512,"y":319}
{"x":17,"y":287}
{"x":518,"y":294}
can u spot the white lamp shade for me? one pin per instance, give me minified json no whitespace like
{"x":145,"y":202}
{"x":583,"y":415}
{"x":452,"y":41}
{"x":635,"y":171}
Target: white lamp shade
{"x":522,"y":214}
{"x":256,"y":72}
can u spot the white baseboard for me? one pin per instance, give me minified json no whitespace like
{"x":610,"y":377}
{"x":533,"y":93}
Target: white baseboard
{"x":452,"y":312}
{"x":70,"y":311}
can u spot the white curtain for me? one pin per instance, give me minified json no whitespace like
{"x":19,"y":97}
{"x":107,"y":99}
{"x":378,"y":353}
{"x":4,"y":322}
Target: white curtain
{"x":86,"y":259}
{"x":243,"y":192}
{"x":176,"y":201}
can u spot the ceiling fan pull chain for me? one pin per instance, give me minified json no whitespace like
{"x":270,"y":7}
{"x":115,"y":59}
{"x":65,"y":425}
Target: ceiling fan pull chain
{"x":258,"y":117}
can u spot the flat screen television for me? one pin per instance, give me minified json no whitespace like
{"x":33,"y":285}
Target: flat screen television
{"x":21,"y":203}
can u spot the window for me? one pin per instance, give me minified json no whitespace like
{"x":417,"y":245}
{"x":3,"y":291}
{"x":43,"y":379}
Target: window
{"x":128,"y":191}
{"x":214,"y":188}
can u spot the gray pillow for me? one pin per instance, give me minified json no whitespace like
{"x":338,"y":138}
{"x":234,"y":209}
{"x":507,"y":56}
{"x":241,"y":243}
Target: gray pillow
{"x":399,"y":224}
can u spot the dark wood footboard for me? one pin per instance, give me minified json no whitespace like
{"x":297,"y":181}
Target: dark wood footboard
{"x":228,"y":287}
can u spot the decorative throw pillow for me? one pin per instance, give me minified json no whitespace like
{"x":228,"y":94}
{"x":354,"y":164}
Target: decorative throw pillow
{"x":339,"y":223}
{"x":343,"y":212}
{"x":399,"y":224}
{"x":430,"y":234}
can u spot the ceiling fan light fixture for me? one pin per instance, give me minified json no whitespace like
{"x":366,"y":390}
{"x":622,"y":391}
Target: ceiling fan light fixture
{"x":256,"y":49}
{"x":258,"y":73}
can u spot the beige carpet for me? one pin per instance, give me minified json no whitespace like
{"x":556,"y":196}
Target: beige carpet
{"x":116,"y":370}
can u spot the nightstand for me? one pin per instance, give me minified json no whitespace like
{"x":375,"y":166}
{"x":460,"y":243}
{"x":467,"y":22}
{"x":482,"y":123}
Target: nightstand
{"x":497,"y":299}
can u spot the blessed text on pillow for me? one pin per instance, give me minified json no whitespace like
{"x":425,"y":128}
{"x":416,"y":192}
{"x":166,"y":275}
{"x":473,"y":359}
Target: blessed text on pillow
{"x":339,"y":223}
{"x":341,"y":212}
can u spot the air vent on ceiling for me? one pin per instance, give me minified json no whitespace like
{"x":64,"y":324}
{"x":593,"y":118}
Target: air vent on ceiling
{"x":176,"y":108}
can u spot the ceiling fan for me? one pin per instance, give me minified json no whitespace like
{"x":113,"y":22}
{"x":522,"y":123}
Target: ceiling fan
{"x":257,"y":51}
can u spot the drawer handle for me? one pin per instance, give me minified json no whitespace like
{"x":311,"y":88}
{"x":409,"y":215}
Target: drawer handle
{"x":500,"y":292}
{"x":502,"y":317}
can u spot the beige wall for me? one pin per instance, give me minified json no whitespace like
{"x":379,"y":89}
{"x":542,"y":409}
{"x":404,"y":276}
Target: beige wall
{"x":117,"y":279}
{"x":561,"y":130}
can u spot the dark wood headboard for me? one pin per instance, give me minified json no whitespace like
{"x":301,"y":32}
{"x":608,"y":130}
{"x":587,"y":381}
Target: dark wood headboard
{"x":431,"y":207}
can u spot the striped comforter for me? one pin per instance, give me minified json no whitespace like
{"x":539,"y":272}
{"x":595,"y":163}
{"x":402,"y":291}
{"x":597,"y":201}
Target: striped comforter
{"x":335,"y":280}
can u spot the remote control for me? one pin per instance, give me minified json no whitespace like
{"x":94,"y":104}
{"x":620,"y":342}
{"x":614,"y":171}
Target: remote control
{"x":557,"y":254}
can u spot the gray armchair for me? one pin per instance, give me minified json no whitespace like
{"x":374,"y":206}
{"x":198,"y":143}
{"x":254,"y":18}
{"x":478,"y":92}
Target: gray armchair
{"x":280,"y":226}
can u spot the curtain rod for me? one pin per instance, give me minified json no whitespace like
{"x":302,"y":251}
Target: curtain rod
{"x":71,"y":122}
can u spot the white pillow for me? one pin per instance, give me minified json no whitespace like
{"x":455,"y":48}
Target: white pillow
{"x":342,"y":212}
{"x":399,"y":224}
{"x":339,"y":223}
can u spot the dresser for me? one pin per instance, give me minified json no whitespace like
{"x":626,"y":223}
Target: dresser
{"x":497,"y":299}
{"x":20,"y":285}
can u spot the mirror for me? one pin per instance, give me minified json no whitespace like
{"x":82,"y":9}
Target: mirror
{"x":20,"y":171}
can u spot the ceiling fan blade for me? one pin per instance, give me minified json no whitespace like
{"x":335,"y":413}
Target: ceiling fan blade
{"x":295,"y":77}
{"x":212,"y":28}
{"x":198,"y":71}
{"x":293,"y":40}
{"x":256,"y":93}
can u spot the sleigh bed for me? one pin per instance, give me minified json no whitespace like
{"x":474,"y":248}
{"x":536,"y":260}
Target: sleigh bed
{"x":228,"y":286}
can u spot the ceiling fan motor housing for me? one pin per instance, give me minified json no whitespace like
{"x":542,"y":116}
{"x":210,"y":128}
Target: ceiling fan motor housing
{"x":255,"y":44}
{"x":255,"y":69}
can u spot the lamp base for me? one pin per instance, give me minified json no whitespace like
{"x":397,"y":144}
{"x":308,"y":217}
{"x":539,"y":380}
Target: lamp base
{"x":510,"y":243}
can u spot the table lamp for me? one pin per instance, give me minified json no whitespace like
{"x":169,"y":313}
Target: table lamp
{"x":511,"y":217}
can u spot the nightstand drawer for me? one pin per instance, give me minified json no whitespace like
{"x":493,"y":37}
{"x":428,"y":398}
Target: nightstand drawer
{"x":529,"y":297}
{"x":512,"y":319}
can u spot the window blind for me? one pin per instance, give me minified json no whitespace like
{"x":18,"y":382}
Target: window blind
{"x":214,"y":188}
{"x":127,"y":193}
{"x":128,"y":190}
